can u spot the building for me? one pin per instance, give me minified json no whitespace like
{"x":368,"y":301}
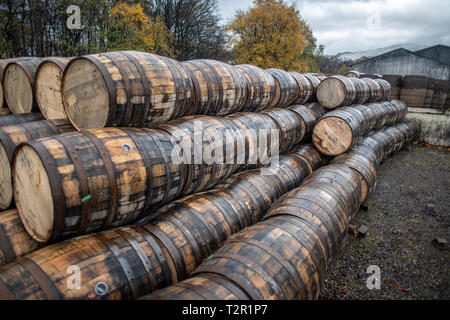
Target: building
{"x":433,"y":62}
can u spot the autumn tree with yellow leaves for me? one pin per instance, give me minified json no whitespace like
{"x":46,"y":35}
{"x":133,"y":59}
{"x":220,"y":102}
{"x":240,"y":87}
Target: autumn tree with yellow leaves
{"x":271,"y":34}
{"x":131,"y":29}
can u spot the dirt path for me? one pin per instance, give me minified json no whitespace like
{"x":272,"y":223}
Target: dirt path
{"x":400,"y":233}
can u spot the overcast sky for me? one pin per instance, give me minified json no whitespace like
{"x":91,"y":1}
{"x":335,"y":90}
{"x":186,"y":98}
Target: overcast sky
{"x":358,"y":25}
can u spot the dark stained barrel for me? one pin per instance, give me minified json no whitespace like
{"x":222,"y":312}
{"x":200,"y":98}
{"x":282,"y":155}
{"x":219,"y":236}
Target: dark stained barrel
{"x":13,"y":119}
{"x":48,"y":84}
{"x":376,"y":91}
{"x":396,"y":82}
{"x":18,"y":85}
{"x":441,"y":88}
{"x":15,"y":242}
{"x":414,"y":91}
{"x":287,"y":88}
{"x":127,"y":89}
{"x":220,"y":89}
{"x":386,"y":89}
{"x":362,"y":91}
{"x":336,"y":91}
{"x":315,"y":82}
{"x":261,"y":88}
{"x":13,"y":136}
{"x":310,"y":114}
{"x":305,"y":86}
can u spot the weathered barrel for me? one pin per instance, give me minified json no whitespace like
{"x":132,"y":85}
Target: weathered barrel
{"x":305,"y":86}
{"x":11,"y":137}
{"x":125,"y":88}
{"x":4,"y":111}
{"x":354,"y":74}
{"x":3,"y":64}
{"x":18,"y":85}
{"x":414,"y":91}
{"x":287,"y":88}
{"x":385,"y":88}
{"x":220,"y":89}
{"x":310,"y":114}
{"x":396,"y":84}
{"x":48,"y":84}
{"x":261,"y":88}
{"x":315,"y":82}
{"x":362,"y":91}
{"x":13,"y":119}
{"x":429,"y":96}
{"x":336,"y":91}
{"x":94,"y":180}
{"x":441,"y":88}
{"x":15,"y":242}
{"x":376,"y":91}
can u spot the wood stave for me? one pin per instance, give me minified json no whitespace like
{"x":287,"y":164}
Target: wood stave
{"x":305,"y":86}
{"x":386,"y":89}
{"x":362,"y":91}
{"x":376,"y":91}
{"x":315,"y":82}
{"x":287,"y":88}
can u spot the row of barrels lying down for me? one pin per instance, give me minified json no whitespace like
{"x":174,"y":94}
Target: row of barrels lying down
{"x":136,"y":89}
{"x":340,"y":130}
{"x":420,"y":91}
{"x":284,"y":257}
{"x":79,"y":182}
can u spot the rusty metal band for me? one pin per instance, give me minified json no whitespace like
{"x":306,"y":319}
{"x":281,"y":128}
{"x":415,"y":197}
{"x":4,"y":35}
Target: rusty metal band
{"x":6,"y":246}
{"x":45,"y":283}
{"x":56,"y":187}
{"x":83,"y":182}
{"x":242,"y":282}
{"x":146,"y":84}
{"x":124,"y":265}
{"x":110,"y":85}
{"x":5,"y":292}
{"x":135,"y":136}
{"x":8,"y":144}
{"x":156,"y":248}
{"x":201,"y":291}
{"x":230,"y":286}
{"x":191,"y":240}
{"x":149,"y":268}
{"x":171,"y":248}
{"x":110,"y":172}
{"x":125,"y":119}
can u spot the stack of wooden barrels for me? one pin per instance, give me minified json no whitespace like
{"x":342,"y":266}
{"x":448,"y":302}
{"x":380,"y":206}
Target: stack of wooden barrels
{"x":425,"y":92}
{"x":286,"y":256}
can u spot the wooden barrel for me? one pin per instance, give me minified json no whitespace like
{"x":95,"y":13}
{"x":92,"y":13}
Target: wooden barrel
{"x":376,"y":91}
{"x":220,"y":89}
{"x":309,"y":114}
{"x":11,"y":137}
{"x":119,"y":264}
{"x":396,"y":82}
{"x":13,"y":119}
{"x":15,"y":242}
{"x":315,"y":82}
{"x":125,"y":88}
{"x":305,"y":86}
{"x":429,"y":96}
{"x":414,"y":91}
{"x":441,"y":88}
{"x":336,"y":91}
{"x":398,"y":138}
{"x":49,"y":76}
{"x":18,"y":85}
{"x":4,"y":111}
{"x":82,"y":182}
{"x":386,"y":89}
{"x":286,"y":86}
{"x":362,"y":91}
{"x":202,"y":287}
{"x":291,"y":127}
{"x":354,"y":74}
{"x":261,"y":88}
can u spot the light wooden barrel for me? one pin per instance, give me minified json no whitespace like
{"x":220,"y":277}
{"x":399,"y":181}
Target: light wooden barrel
{"x":396,"y":84}
{"x":261,"y":88}
{"x":336,"y":91}
{"x":220,"y":89}
{"x":125,"y":88}
{"x":310,"y":114}
{"x":414,"y":91}
{"x":441,"y":87}
{"x":376,"y":91}
{"x":305,"y":86}
{"x":48,"y":85}
{"x":18,"y":85}
{"x":362,"y":91}
{"x":315,"y":82}
{"x":287,"y":88}
{"x":4,"y":111}
{"x":3,"y":64}
{"x":13,"y":119}
{"x":13,"y":136}
{"x":92,"y":180}
{"x":15,"y":242}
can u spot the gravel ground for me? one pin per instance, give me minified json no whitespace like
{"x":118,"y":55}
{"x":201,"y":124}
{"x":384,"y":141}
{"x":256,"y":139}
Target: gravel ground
{"x":400,"y":234}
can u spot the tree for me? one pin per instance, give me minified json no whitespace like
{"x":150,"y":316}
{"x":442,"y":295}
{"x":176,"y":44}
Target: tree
{"x":131,"y":29}
{"x":271,"y":35}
